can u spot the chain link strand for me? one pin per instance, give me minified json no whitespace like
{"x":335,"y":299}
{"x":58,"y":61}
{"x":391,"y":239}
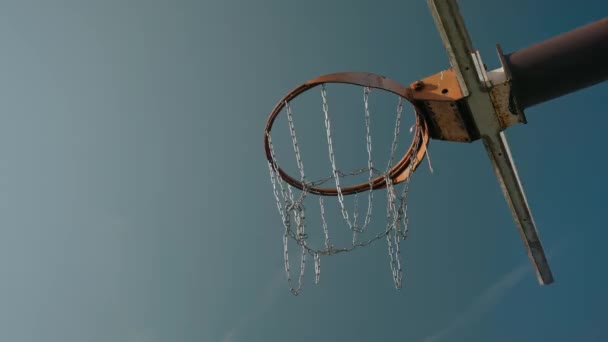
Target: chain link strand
{"x":370,"y":162}
{"x":332,"y":157}
{"x":397,"y":214}
{"x":290,"y":208}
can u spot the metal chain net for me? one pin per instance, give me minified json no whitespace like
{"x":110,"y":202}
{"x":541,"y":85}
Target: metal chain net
{"x":292,"y":210}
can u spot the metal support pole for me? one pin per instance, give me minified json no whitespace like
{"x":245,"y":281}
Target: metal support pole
{"x":563,"y":64}
{"x":469,"y":71}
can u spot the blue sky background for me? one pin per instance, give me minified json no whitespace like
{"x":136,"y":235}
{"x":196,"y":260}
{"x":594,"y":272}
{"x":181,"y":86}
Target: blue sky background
{"x":136,"y":206}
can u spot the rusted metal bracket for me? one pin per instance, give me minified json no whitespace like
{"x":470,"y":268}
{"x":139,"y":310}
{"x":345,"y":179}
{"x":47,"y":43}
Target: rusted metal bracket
{"x":445,"y":107}
{"x":439,"y":96}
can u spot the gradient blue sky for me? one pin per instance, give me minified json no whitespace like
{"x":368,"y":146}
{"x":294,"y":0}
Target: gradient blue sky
{"x":136,"y":206}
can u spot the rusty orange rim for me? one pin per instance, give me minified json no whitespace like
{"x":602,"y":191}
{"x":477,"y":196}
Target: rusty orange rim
{"x":398,"y":173}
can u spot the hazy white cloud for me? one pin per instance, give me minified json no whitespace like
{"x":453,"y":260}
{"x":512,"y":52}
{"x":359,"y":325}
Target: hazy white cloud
{"x":483,"y":303}
{"x":270,"y":294}
{"x":230,"y":336}
{"x":489,"y":298}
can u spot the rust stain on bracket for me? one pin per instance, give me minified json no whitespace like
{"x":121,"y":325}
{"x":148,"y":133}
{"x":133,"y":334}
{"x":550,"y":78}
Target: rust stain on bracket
{"x":446,"y":121}
{"x":508,"y":113}
{"x":447,"y":114}
{"x":441,"y":98}
{"x":442,"y":86}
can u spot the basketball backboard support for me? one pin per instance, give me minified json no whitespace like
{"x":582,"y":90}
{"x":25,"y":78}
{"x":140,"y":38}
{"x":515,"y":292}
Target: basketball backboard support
{"x":463,"y":103}
{"x":475,"y":85}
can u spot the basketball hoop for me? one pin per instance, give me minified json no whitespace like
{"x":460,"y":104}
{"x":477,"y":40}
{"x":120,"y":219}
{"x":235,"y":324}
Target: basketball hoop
{"x":464,"y":103}
{"x":400,"y":170}
{"x":290,"y":206}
